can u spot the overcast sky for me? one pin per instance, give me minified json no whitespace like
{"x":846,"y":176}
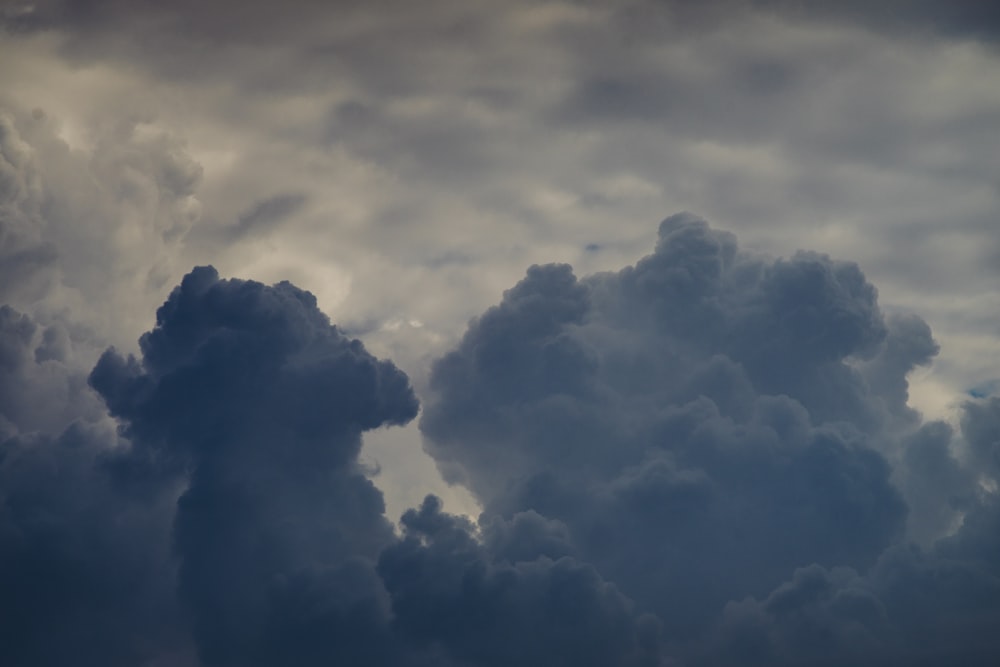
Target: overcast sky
{"x":406,"y":163}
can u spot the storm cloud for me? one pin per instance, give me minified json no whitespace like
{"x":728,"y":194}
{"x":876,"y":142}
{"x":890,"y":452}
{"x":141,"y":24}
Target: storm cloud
{"x":656,"y":447}
{"x":253,"y":396}
{"x":706,"y":457}
{"x":228,"y":521}
{"x":708,"y":422}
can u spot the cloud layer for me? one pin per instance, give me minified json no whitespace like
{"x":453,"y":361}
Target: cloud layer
{"x":703,"y":458}
{"x":710,"y":456}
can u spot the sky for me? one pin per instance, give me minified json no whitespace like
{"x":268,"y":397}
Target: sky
{"x":461,"y":334}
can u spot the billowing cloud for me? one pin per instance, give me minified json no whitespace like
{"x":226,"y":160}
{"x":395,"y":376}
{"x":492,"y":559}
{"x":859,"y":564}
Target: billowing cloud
{"x":710,"y":456}
{"x":253,"y":396}
{"x":89,"y":237}
{"x":486,"y":607}
{"x":707,"y":422}
{"x":705,"y":457}
{"x":230,"y":522}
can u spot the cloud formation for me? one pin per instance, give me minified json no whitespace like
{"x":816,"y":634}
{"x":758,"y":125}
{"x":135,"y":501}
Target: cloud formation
{"x":89,"y":237}
{"x":703,"y":458}
{"x":253,"y":396}
{"x":712,"y":455}
{"x":229,"y":521}
{"x":709,"y":422}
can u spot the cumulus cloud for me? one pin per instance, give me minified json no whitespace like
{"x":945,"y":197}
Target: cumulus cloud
{"x":234,"y":480}
{"x":707,"y":422}
{"x":228,"y":520}
{"x":714,"y":454}
{"x":253,"y":396}
{"x":703,"y":458}
{"x":449,"y":590}
{"x":89,"y":236}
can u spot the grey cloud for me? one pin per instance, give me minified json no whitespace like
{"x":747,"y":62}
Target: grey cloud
{"x":763,"y":116}
{"x":981,"y":427}
{"x":40,"y":390}
{"x":26,"y":259}
{"x":249,"y":397}
{"x":634,"y":429}
{"x":701,"y":425}
{"x":257,"y":221}
{"x":963,"y":18}
{"x":75,"y":222}
{"x":913,"y":607}
{"x":682,"y":462}
{"x":250,"y":391}
{"x":86,"y":578}
{"x":267,"y":213}
{"x":966,"y":18}
{"x":447,"y":590}
{"x":937,"y":487}
{"x":908,"y":344}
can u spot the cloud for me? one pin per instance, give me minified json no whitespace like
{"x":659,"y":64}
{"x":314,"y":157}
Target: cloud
{"x":913,"y":607}
{"x":253,"y":396}
{"x":448,"y":590}
{"x":268,"y":213}
{"x":707,"y":422}
{"x":86,"y":576}
{"x":89,"y":236}
{"x":981,"y":426}
{"x":406,"y":163}
{"x":706,"y":457}
{"x":253,"y":405}
{"x":25,"y":256}
{"x":508,"y":134}
{"x":230,"y":499}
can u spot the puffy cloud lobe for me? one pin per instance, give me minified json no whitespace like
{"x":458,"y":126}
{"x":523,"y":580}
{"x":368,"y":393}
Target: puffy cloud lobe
{"x":449,"y":592}
{"x":913,"y":607}
{"x":251,"y":391}
{"x":908,"y":344}
{"x":78,"y":225}
{"x":26,"y":259}
{"x":716,"y":440}
{"x":702,"y":403}
{"x":937,"y":487}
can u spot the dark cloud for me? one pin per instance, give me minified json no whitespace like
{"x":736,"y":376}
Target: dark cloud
{"x":704,"y":423}
{"x":85,"y":577}
{"x":448,"y":591}
{"x":710,"y":454}
{"x":981,"y":426}
{"x":252,"y":394}
{"x":704,"y":458}
{"x":913,"y":607}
